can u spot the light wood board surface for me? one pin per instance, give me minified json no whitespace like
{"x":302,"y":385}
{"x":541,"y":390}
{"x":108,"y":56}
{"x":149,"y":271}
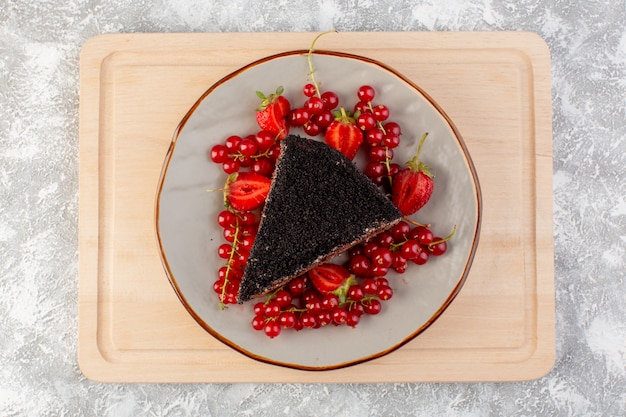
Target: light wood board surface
{"x":136,"y":88}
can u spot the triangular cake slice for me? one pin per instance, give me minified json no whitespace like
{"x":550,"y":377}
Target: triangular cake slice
{"x":318,"y":206}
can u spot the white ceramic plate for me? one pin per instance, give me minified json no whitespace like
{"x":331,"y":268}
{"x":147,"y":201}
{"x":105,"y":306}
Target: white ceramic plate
{"x":189,"y":235}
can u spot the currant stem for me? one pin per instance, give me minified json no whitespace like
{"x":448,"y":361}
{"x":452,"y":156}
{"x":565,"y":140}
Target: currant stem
{"x":380,"y":126}
{"x":431,"y":244}
{"x":228,"y":265}
{"x":310,"y":61}
{"x":415,"y":223}
{"x":272,"y":295}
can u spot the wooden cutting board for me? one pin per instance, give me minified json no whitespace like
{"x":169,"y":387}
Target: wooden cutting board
{"x":135,"y":89}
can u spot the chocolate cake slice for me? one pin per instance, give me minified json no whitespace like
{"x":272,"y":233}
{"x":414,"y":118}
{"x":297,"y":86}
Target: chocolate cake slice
{"x":319,"y":205}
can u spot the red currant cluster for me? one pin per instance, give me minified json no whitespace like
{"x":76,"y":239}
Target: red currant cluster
{"x":381,"y":136}
{"x":257,"y":152}
{"x":299,"y":305}
{"x":316,"y":114}
{"x":239,"y":231}
{"x":394,"y":249}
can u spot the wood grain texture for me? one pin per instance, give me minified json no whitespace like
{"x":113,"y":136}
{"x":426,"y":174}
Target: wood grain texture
{"x":135,"y":89}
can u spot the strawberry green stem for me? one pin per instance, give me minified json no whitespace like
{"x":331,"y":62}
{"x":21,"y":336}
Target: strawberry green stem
{"x":342,"y":291}
{"x":229,"y":180}
{"x":414,"y":163}
{"x":310,"y":61}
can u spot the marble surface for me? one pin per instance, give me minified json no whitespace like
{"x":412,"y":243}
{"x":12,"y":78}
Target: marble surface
{"x":40,"y":42}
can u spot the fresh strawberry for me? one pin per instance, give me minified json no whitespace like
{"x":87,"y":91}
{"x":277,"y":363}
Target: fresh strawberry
{"x":343,"y":134}
{"x":328,"y":277}
{"x":246,"y":191}
{"x":412,"y":186}
{"x":272,"y":113}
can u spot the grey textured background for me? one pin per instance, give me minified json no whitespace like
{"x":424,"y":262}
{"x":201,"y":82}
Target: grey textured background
{"x":40,"y":42}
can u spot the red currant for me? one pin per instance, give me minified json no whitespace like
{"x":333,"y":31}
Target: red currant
{"x":272,"y":309}
{"x":392,"y":128}
{"x":272,"y":329}
{"x":218,"y":285}
{"x":385,"y":292}
{"x":382,"y":282}
{"x":374,"y":169}
{"x":421,"y":258}
{"x":385,"y":239}
{"x":391,"y":141}
{"x":382,"y":258}
{"x":340,"y":315}
{"x":330,"y":301}
{"x":399,"y":262}
{"x":274,"y":152}
{"x":312,"y":129}
{"x":314,"y":105}
{"x":355,"y":293}
{"x":410,"y":249}
{"x":369,"y":248}
{"x":438,"y":247}
{"x":378,"y":271}
{"x":361,"y":107}
{"x":226,"y":219}
{"x":323,"y":119}
{"x":360,"y":265}
{"x":423,"y":235}
{"x":380,"y":153}
{"x":400,"y":231}
{"x":366,"y":93}
{"x":283,"y":298}
{"x":366,"y":121}
{"x":369,"y":286}
{"x":393,"y":169}
{"x":309,"y":90}
{"x":263,"y":166}
{"x":224,"y":250}
{"x":300,"y":116}
{"x":330,"y":99}
{"x":324,"y":318}
{"x":380,"y":113}
{"x":232,"y":142}
{"x":296,"y":286}
{"x":219,"y":154}
{"x":247,"y":147}
{"x":353,"y":318}
{"x":374,"y":137}
{"x":259,"y":308}
{"x":230,"y":166}
{"x":309,"y":320}
{"x":372,"y":307}
{"x":287,"y":319}
{"x":258,"y":322}
{"x":245,"y":161}
{"x":264,"y":140}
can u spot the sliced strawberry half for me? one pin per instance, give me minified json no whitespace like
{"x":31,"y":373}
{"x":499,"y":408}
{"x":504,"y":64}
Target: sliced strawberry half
{"x":412,"y":186}
{"x":246,"y":191}
{"x":328,"y":277}
{"x":272,"y":113}
{"x":343,"y":134}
